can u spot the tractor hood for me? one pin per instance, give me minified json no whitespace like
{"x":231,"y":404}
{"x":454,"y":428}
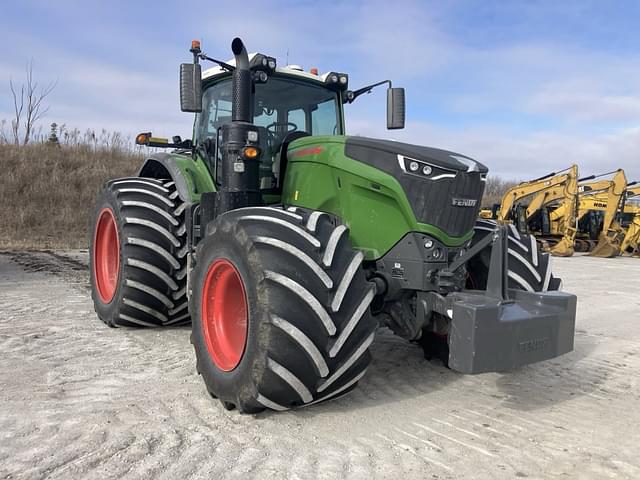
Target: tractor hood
{"x":440,"y":161}
{"x":444,"y":188}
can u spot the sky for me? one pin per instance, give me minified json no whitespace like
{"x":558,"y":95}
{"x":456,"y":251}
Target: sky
{"x":524,"y":87}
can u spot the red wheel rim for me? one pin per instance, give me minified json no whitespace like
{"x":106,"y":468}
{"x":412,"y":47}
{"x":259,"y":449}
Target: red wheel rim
{"x":224,"y":314}
{"x":106,"y":255}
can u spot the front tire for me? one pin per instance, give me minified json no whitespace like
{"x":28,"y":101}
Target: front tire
{"x":529,"y":267}
{"x":280,"y":309}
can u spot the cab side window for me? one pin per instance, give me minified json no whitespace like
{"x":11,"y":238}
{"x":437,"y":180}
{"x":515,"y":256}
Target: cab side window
{"x":324,"y":119}
{"x":216,"y":112}
{"x":298,"y":118}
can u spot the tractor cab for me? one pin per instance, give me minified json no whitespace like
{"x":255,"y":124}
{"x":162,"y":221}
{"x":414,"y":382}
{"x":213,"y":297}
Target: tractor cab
{"x":249,"y":110}
{"x":290,"y":104}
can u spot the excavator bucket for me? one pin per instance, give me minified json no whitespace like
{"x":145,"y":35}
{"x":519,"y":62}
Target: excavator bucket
{"x":563,"y":248}
{"x":631,"y":242}
{"x":606,"y":248}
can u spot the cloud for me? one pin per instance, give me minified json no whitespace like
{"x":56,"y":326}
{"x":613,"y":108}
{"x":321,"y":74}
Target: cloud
{"x":94,"y":93}
{"x":515,"y":87}
{"x":560,"y":84}
{"x":585,"y":105}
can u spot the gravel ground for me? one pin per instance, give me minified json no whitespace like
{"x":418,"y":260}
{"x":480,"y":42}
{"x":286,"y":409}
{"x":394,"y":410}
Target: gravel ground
{"x":81,"y":400}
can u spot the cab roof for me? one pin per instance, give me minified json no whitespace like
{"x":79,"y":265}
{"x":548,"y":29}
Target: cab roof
{"x":293,"y":70}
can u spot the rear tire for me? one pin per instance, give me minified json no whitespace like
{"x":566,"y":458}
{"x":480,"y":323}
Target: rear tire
{"x":306,"y":298}
{"x":138,"y":255}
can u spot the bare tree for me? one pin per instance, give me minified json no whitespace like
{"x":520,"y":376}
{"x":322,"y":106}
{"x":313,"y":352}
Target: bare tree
{"x":28,"y":105}
{"x":495,"y":188}
{"x":18,"y":105}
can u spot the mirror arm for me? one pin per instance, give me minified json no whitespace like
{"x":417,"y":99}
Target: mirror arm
{"x":225,"y":66}
{"x":351,"y":96}
{"x":162,"y":144}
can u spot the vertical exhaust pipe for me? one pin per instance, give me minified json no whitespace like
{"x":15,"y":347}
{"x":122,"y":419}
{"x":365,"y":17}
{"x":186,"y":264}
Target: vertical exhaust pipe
{"x":239,"y":173}
{"x":241,"y":83}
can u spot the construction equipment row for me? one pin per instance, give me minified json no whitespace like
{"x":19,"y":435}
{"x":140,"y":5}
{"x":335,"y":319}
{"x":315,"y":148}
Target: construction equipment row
{"x":599,"y":214}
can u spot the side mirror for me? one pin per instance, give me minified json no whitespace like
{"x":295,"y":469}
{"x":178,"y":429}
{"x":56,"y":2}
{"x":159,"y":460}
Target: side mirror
{"x":191,"y":87}
{"x":395,"y":108}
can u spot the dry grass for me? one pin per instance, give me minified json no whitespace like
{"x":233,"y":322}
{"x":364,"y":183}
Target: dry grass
{"x":47,"y":191}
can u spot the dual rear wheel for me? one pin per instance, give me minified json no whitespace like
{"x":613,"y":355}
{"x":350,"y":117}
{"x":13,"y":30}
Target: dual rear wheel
{"x":138,"y":254}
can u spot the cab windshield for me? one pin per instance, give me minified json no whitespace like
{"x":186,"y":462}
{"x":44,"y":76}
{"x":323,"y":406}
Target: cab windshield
{"x":280,"y":106}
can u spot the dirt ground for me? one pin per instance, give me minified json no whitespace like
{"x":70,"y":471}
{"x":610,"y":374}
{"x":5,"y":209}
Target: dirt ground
{"x":81,"y":400}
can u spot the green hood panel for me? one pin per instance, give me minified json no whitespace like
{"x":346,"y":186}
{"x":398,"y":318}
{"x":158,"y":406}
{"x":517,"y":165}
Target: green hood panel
{"x":370,"y":201}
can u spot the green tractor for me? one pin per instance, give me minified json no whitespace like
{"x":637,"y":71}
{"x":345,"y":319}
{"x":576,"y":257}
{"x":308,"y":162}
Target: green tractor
{"x":286,"y":243}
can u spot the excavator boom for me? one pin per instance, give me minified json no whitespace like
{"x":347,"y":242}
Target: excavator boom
{"x":601,"y":195}
{"x":540,"y":187}
{"x":563,"y":188}
{"x":631,"y":242}
{"x":612,"y":234}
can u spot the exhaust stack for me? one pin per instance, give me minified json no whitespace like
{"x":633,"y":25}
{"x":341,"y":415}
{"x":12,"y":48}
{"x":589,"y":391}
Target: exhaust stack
{"x":241,"y":83}
{"x":238,"y":175}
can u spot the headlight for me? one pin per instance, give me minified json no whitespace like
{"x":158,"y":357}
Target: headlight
{"x":413,"y":166}
{"x":337,"y":80}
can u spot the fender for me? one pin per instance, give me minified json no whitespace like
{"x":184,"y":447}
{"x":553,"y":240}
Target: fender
{"x":190,"y":175}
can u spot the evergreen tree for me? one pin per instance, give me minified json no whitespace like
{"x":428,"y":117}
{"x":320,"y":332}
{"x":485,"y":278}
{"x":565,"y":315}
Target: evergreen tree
{"x":53,"y":136}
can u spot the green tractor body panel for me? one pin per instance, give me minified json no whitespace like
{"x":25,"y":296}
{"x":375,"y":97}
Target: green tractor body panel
{"x":321,"y":176}
{"x":190,"y":172}
{"x":196,"y":173}
{"x":370,"y":201}
{"x":202,"y":178}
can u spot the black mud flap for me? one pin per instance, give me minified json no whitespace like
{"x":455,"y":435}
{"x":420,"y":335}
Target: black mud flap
{"x":490,"y":335}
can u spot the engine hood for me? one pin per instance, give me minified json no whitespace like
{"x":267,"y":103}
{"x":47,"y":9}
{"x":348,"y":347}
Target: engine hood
{"x":443,"y":188}
{"x":355,"y":147}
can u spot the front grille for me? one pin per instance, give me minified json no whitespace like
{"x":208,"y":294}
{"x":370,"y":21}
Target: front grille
{"x":431,"y":201}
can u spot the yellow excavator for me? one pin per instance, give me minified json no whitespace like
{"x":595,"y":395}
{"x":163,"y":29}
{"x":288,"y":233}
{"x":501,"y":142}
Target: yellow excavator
{"x":558,"y":241}
{"x":600,"y":195}
{"x":612,"y":234}
{"x":631,"y":221}
{"x":556,"y":186}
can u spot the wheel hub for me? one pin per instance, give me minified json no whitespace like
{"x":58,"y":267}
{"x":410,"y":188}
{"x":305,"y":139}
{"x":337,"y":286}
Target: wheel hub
{"x":224,"y":314}
{"x":106,"y":255}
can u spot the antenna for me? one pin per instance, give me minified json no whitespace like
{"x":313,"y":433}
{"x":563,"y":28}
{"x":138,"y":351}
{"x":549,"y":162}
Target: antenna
{"x":287,"y":63}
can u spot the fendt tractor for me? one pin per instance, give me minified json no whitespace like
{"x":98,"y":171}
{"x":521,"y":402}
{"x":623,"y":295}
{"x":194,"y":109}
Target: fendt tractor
{"x":286,"y":243}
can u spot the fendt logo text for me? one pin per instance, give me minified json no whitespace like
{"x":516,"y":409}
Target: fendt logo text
{"x":463,"y":202}
{"x":533,"y":345}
